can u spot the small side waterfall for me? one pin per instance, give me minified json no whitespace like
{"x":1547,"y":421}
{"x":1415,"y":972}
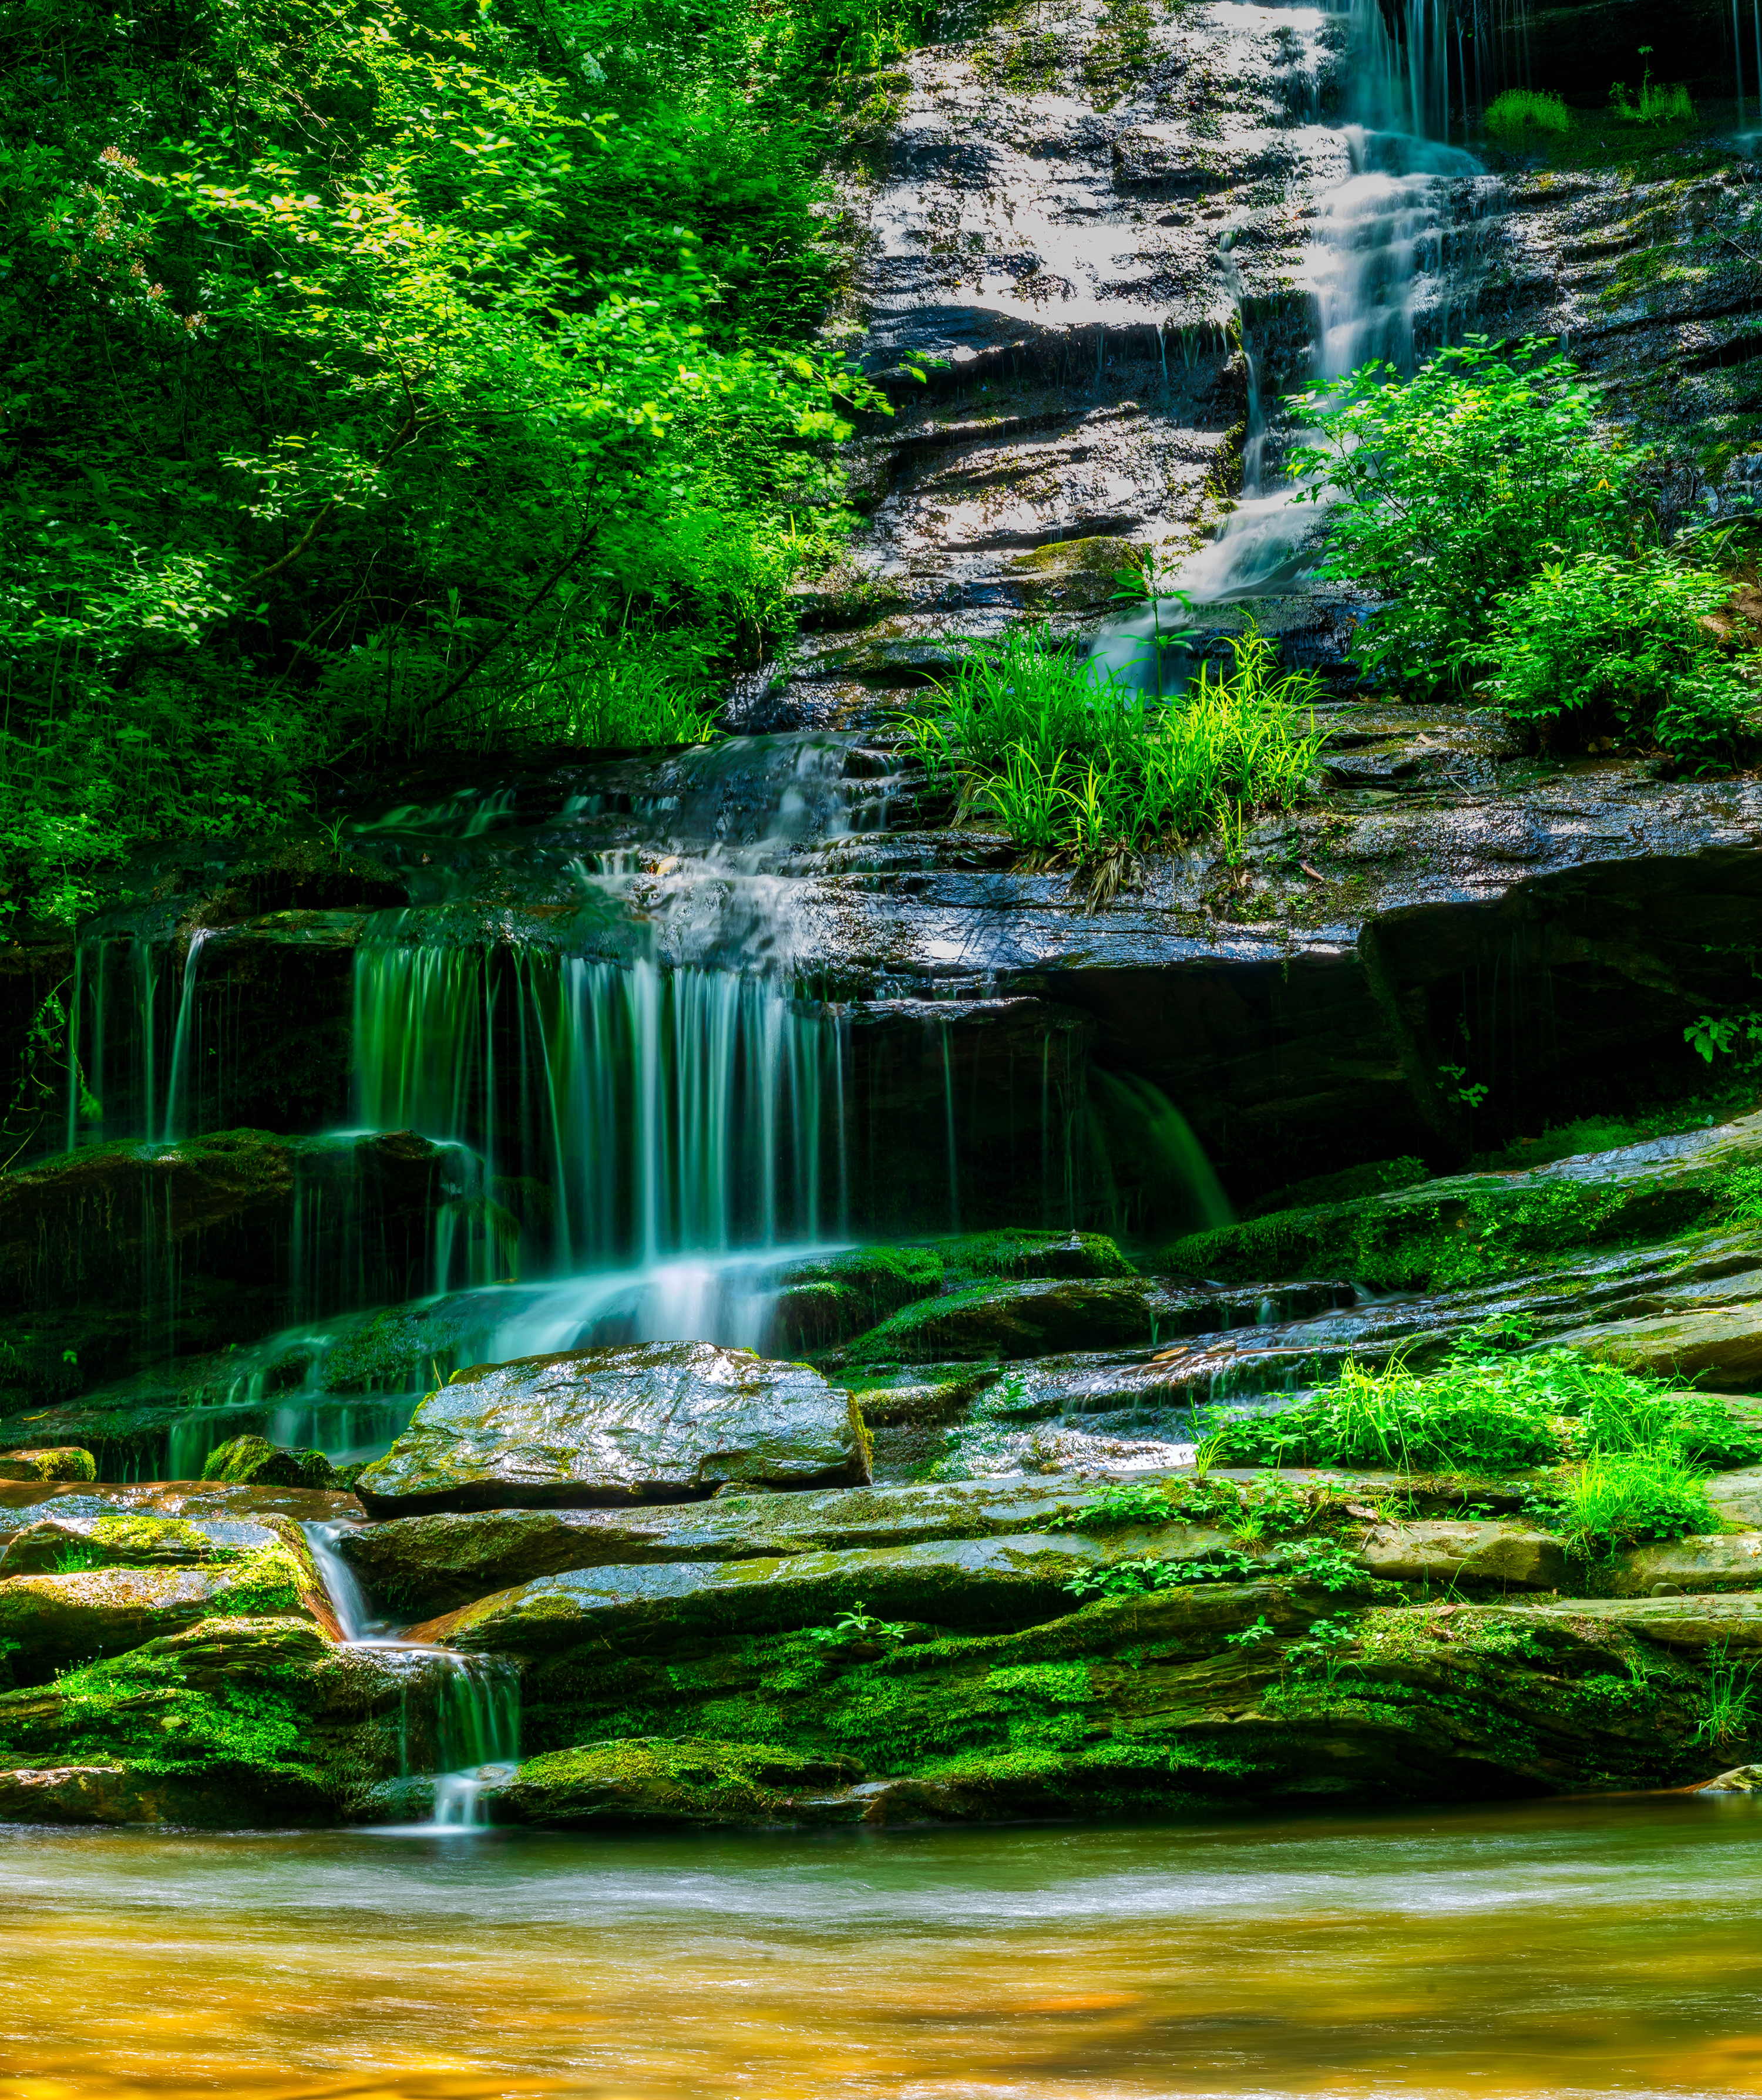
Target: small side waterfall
{"x":463,"y":1710}
{"x":477,"y":1729}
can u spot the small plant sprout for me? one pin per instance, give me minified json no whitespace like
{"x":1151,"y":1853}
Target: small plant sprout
{"x":1262,"y":1629}
{"x":856,"y":1624}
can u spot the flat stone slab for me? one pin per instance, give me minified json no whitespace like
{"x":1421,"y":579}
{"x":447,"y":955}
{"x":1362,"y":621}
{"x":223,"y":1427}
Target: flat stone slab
{"x":1493,"y":1555}
{"x":1693,"y":1622}
{"x":1011,"y":1582}
{"x":425,"y":1564}
{"x":1721,"y":1560}
{"x":661,"y":1421}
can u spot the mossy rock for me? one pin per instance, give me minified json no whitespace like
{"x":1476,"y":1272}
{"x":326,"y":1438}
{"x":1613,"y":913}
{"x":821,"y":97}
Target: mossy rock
{"x":1474,"y":1227}
{"x":126,"y":1541}
{"x":254,"y":1461}
{"x":231,"y":1723}
{"x":1015,"y":1253}
{"x":66,"y":1463}
{"x":1045,"y":1317}
{"x":48,"y":1620}
{"x":829,"y":1298}
{"x":679,"y":1781}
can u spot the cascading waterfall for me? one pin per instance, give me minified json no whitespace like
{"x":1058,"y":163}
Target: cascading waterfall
{"x":648,"y":1112}
{"x":1373,"y":265}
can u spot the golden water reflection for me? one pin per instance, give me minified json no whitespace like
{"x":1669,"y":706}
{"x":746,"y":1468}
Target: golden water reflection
{"x":1542,"y":1950}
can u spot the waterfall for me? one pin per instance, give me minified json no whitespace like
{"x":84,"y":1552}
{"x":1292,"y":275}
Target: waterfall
{"x":348,"y":1600}
{"x":477,"y":1729}
{"x":634,"y":1112}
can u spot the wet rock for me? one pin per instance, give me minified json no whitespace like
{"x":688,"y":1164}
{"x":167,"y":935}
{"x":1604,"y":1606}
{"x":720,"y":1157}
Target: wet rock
{"x":102,"y":1794}
{"x":1693,"y":1623}
{"x":254,"y":1461}
{"x":422,"y":1565}
{"x":665,"y":1421}
{"x":21,"y":1506}
{"x":50,"y":1548}
{"x":1743,"y":1778}
{"x":1441,"y":1554}
{"x":1012,"y":1580}
{"x":1730,"y":1561}
{"x":678,"y":1781}
{"x":1016,"y":1320}
{"x":47,"y":1621}
{"x":72,"y":1463}
{"x":83,"y":1236}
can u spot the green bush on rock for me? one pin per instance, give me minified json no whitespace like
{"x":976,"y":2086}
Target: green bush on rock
{"x":1486,"y":1413}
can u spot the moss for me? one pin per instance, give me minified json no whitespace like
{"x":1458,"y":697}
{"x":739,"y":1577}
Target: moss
{"x":669,"y":1780}
{"x":1458,"y":1232}
{"x":254,"y":1461}
{"x":140,"y":1711}
{"x":985,"y":1322}
{"x":972,"y":1257}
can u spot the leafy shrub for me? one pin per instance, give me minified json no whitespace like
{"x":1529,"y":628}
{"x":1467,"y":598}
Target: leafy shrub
{"x":1078,"y":767}
{"x":1654,"y":103}
{"x":1617,"y":639}
{"x":1456,"y":486}
{"x":1487,"y":1413}
{"x":1523,"y":108}
{"x":372,"y":369}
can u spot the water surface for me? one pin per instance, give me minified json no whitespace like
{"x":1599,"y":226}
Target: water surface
{"x":1543,"y":1950}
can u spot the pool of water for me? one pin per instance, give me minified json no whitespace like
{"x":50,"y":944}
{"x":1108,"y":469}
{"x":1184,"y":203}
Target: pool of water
{"x":1541,"y":1950}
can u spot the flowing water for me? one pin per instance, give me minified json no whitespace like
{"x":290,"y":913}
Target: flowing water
{"x":1537,"y":1951}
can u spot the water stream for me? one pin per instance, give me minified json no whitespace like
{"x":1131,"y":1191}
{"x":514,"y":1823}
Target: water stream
{"x":1551,"y":1951}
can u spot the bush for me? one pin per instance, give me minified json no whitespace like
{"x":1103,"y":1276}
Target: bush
{"x":1487,"y":1413}
{"x":1456,"y":486}
{"x":1523,"y":108}
{"x":1617,"y":639}
{"x":1079,"y":768}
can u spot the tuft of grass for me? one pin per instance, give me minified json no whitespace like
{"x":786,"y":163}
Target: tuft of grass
{"x":1487,"y":1411}
{"x":1727,"y":1715}
{"x":1620,"y":1499}
{"x":1522,"y":109}
{"x":1084,"y":771}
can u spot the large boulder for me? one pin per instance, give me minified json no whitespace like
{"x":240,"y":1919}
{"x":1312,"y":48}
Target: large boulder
{"x":1443,"y":1554}
{"x":254,"y":1461}
{"x":672,"y":1782}
{"x":660,"y":1421}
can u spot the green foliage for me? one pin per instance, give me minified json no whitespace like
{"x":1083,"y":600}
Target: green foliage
{"x":855,"y":1624}
{"x":1456,"y":486}
{"x":1085,"y":770}
{"x":1622,"y":1498}
{"x":1620,"y":638}
{"x":1315,"y":1562}
{"x":376,"y":378}
{"x":1135,"y":1502}
{"x":1728,"y":1711}
{"x":1520,"y":109}
{"x":1654,"y":104}
{"x":1489,"y":1413}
